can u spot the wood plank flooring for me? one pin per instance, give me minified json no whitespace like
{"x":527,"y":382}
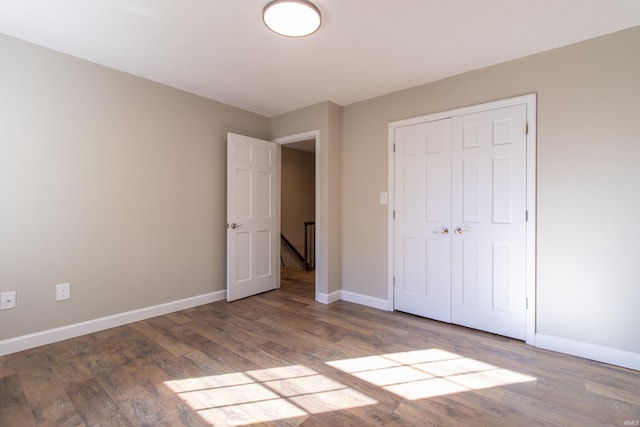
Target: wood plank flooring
{"x":280,"y":358}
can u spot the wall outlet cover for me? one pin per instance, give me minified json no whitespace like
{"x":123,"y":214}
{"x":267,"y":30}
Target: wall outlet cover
{"x":63,"y":292}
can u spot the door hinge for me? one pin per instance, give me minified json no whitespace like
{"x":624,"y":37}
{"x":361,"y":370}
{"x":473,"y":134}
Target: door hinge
{"x":526,"y":129}
{"x":394,"y":214}
{"x":394,"y":147}
{"x":526,"y":216}
{"x":526,"y":303}
{"x":394,"y":281}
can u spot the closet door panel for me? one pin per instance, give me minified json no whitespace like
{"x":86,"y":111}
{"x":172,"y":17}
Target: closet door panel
{"x":422,"y":246}
{"x":488,"y":220}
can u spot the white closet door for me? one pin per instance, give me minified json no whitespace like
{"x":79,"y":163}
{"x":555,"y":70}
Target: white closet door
{"x":460,"y":227}
{"x":488,"y":221}
{"x":423,"y":216}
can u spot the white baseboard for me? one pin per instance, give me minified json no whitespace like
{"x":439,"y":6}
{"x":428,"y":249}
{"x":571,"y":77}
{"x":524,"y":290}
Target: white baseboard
{"x":378,"y":303}
{"x":576,"y":348}
{"x":37,"y":339}
{"x":381,"y":304}
{"x":328,"y":298}
{"x":595,"y":352}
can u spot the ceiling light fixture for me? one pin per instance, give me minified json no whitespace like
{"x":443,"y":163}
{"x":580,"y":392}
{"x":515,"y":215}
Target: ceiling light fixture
{"x":292,"y":18}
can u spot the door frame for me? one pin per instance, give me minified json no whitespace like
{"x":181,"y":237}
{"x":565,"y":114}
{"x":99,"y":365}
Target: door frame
{"x":530,"y":281}
{"x":321,"y":267}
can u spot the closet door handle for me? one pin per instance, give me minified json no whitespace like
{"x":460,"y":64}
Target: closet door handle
{"x":444,"y":231}
{"x":460,"y":230}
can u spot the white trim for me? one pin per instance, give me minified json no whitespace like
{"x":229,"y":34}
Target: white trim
{"x":391,"y":203}
{"x":494,"y":105}
{"x":321,"y":264}
{"x":37,"y":339}
{"x":353,"y":297}
{"x":302,"y":136}
{"x":379,"y":303}
{"x":595,"y":352}
{"x":530,"y":102}
{"x":328,"y":298}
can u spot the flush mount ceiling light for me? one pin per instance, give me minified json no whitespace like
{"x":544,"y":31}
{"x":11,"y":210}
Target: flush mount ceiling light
{"x":292,"y":18}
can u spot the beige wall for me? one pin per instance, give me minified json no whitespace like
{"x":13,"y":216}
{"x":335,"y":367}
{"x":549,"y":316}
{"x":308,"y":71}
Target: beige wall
{"x":117,"y":185}
{"x":109,"y":182}
{"x":588,"y":181}
{"x":326,"y":118}
{"x":298,"y":194}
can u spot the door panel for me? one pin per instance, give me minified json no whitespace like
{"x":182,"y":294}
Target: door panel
{"x":253,"y":220}
{"x":488,"y":221}
{"x":423,"y":213}
{"x":470,"y":192}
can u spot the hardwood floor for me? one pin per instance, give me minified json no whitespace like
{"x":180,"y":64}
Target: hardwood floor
{"x":279,"y":358}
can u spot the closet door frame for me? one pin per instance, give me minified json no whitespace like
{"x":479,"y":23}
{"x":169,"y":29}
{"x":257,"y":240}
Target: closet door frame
{"x":530,"y":102}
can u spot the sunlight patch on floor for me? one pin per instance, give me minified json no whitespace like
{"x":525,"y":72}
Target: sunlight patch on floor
{"x":428,"y":373}
{"x":265,"y":395}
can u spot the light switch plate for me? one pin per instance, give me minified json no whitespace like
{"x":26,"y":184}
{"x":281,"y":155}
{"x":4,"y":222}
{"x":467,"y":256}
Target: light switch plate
{"x":384,"y":198}
{"x":7,"y":300}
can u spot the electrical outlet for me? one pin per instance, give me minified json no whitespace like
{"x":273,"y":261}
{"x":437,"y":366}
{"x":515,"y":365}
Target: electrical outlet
{"x":63,"y":292}
{"x":7,"y":300}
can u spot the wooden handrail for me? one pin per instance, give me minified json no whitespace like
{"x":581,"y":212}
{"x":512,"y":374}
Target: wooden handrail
{"x":309,"y":258}
{"x":293,"y":248}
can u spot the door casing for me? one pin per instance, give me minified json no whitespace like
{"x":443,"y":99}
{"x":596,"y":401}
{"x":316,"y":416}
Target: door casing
{"x":530,"y":102}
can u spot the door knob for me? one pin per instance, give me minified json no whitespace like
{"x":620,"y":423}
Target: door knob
{"x":444,"y":231}
{"x":460,"y":230}
{"x":235,"y":226}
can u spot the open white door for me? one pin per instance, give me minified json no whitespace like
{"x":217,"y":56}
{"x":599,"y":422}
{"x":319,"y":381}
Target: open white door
{"x":253,"y":218}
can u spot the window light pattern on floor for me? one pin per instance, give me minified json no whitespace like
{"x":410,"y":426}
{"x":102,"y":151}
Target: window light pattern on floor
{"x":428,"y":373}
{"x":265,"y":395}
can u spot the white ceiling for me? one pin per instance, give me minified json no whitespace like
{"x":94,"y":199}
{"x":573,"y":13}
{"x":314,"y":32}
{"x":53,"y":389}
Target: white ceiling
{"x":220,"y":49}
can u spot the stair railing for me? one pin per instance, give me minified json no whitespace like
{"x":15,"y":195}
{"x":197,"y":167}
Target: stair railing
{"x":309,"y":245}
{"x":308,"y":259}
{"x":286,"y":243}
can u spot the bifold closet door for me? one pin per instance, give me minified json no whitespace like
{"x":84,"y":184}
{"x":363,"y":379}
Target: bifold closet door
{"x":460,"y":228}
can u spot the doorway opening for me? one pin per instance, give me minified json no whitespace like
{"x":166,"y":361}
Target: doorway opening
{"x":298,"y":210}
